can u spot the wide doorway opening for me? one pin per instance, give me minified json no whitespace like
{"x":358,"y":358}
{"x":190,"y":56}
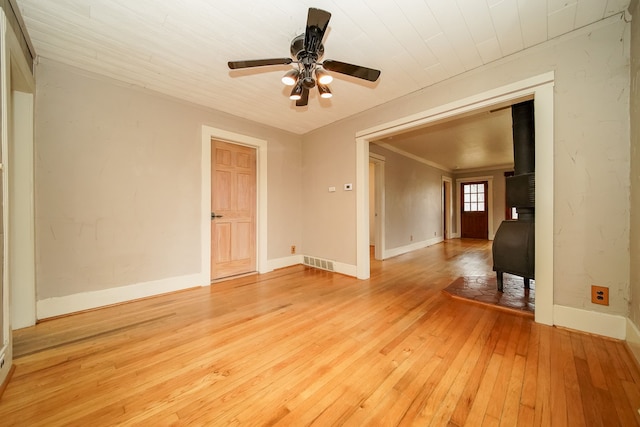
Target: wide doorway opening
{"x":540,"y":89}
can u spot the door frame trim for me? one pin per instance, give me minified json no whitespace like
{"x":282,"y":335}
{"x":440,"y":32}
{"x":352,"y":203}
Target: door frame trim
{"x":378,"y":164}
{"x":458,"y":210}
{"x":209,"y":133}
{"x":447,"y":207}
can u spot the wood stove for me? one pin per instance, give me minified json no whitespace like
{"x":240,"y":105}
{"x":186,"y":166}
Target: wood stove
{"x":514,"y":243}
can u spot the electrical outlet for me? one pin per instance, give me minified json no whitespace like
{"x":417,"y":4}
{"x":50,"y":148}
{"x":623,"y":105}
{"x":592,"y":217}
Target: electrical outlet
{"x":293,"y":249}
{"x":600,"y":295}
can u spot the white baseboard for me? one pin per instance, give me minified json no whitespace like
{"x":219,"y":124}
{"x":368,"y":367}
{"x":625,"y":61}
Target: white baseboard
{"x":346,"y":269}
{"x":609,"y":325}
{"x":389,"y":253}
{"x":274,"y":264}
{"x":633,"y":339}
{"x":58,"y":306}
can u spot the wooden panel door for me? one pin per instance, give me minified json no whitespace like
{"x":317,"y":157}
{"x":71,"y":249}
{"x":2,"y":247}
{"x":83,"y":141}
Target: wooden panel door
{"x":474,"y":215}
{"x":233,"y":209}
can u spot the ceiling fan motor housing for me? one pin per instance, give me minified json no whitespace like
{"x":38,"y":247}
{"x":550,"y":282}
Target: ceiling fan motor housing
{"x":297,"y":49}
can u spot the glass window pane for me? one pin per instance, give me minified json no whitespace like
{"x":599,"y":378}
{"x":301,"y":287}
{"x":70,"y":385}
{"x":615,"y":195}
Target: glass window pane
{"x":467,"y":197}
{"x":467,"y":189}
{"x":474,"y":188}
{"x":474,"y":197}
{"x":474,"y":207}
{"x":467,"y":207}
{"x":481,"y":197}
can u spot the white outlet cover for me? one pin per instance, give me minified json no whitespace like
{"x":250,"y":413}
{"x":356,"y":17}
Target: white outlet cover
{"x":332,"y":189}
{"x":348,"y":187}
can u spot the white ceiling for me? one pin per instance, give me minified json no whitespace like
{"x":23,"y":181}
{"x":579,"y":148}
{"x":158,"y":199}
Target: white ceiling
{"x":482,"y":140}
{"x":180,"y":47}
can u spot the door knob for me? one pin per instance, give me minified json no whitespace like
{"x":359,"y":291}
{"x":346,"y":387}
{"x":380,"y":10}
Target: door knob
{"x":213,"y":215}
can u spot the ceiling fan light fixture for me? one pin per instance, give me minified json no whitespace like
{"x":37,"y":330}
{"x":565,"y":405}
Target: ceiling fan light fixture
{"x":323,"y":77}
{"x":306,"y":70}
{"x":324,"y":90}
{"x":296,"y":92}
{"x":291,"y":77}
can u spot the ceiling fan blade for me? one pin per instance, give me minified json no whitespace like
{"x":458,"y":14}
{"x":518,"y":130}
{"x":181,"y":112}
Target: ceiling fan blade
{"x":317,"y":23}
{"x":352,"y":70}
{"x":304,"y":99}
{"x":234,"y":65}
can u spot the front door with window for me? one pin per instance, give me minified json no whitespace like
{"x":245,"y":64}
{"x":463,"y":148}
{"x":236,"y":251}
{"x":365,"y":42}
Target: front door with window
{"x":474,"y":216}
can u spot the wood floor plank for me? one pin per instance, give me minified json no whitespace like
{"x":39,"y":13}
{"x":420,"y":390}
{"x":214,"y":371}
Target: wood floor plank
{"x":449,"y":351}
{"x":595,"y":368}
{"x":442,"y":401}
{"x":574,"y":409}
{"x":588,"y":394}
{"x":499,"y":393}
{"x":479,"y":407}
{"x":559,"y":404}
{"x":300,"y":346}
{"x":543,"y":380}
{"x":625,"y":411}
{"x":514,"y":390}
{"x":530,"y":381}
{"x":463,"y":406}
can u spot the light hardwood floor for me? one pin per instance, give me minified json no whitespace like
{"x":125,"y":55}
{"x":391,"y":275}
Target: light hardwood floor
{"x":300,"y":346}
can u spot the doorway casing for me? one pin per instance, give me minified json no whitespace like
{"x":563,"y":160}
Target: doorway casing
{"x":447,"y":208}
{"x":541,"y":89}
{"x":380,"y":244}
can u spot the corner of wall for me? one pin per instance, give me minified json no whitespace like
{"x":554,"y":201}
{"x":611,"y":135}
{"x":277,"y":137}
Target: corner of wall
{"x":274,"y":264}
{"x":632,"y":339}
{"x":608,"y":325}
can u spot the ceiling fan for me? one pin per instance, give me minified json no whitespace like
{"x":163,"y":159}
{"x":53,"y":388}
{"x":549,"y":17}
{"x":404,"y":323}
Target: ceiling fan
{"x":307,"y":49}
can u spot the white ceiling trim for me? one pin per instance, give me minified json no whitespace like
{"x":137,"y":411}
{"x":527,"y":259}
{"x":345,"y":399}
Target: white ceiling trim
{"x":414,"y":157}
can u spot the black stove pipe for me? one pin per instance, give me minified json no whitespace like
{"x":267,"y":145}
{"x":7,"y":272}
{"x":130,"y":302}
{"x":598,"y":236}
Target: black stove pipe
{"x":514,"y":242}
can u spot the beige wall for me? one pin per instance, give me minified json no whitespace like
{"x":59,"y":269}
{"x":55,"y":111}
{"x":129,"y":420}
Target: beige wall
{"x":118,"y":177}
{"x":634,"y":305}
{"x":118,"y":183}
{"x":413,"y":200}
{"x":591,"y":149}
{"x":328,"y":219}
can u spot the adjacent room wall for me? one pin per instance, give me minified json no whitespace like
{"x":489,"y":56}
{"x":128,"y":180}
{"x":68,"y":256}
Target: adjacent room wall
{"x":118,"y":183}
{"x":413,"y":202}
{"x":591,"y":148}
